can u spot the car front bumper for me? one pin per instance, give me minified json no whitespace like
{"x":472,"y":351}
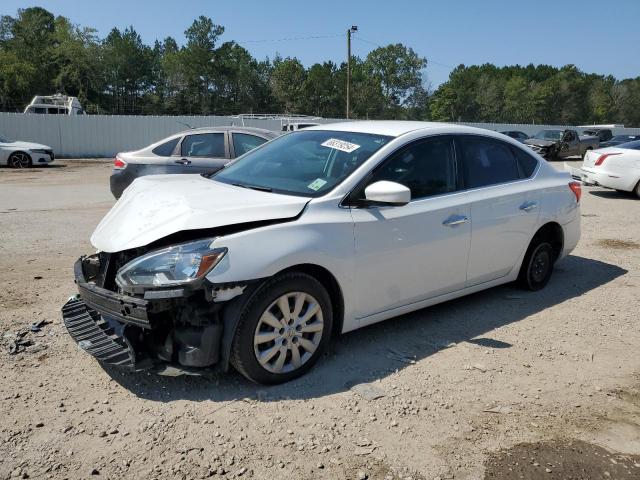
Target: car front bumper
{"x":40,"y":158}
{"x":135,"y":334}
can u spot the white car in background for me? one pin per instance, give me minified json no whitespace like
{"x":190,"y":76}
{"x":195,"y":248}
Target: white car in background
{"x":614,"y":167}
{"x":323,"y":230}
{"x":16,"y":154}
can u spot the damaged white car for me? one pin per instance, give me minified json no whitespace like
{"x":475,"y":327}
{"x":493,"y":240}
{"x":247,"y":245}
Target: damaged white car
{"x":318,"y":232}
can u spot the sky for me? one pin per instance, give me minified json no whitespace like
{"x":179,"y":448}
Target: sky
{"x":595,"y":35}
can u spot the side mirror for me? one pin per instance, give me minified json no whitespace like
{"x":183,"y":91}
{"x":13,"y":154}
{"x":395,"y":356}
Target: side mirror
{"x":384,"y":193}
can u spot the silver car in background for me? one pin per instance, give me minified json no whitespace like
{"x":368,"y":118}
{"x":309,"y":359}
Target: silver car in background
{"x":198,"y":150}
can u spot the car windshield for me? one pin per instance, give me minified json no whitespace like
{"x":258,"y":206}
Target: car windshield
{"x":549,"y":134}
{"x":307,"y":163}
{"x":635,"y":145}
{"x":4,"y":139}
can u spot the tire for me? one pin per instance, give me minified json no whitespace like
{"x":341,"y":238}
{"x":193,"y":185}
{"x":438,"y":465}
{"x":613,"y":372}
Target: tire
{"x":20,"y":160}
{"x":637,"y":190}
{"x":265,"y":342}
{"x":537,"y":265}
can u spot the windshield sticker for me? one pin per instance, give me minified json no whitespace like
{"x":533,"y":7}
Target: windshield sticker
{"x":317,"y":184}
{"x":340,"y":145}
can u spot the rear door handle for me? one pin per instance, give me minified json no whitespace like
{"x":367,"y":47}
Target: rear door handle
{"x":528,"y":206}
{"x":454,"y":220}
{"x":183,"y":161}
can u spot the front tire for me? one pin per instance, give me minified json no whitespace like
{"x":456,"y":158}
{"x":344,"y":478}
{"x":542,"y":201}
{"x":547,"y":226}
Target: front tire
{"x":637,"y":190}
{"x":20,"y":160}
{"x":283,"y":329}
{"x":537,"y":265}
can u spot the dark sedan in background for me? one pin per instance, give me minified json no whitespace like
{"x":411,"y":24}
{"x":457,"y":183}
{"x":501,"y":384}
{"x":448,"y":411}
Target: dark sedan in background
{"x":619,"y":140}
{"x":199,"y":150}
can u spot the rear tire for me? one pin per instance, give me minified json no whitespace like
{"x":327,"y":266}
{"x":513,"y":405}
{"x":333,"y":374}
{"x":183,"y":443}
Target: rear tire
{"x":283,"y":329}
{"x":537,"y":265}
{"x":637,"y":190}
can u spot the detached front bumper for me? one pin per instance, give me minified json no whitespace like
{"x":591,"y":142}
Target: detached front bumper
{"x":135,"y":333}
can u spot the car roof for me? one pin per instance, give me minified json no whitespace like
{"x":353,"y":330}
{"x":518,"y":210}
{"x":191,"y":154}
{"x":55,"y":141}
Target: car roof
{"x":227,"y":128}
{"x":396,"y":128}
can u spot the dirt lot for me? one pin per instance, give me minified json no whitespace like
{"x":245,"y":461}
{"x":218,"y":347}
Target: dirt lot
{"x":502,"y":384}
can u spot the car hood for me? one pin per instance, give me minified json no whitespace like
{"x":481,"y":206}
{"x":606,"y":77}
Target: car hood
{"x":26,"y":145}
{"x":539,"y":142}
{"x":153,"y":207}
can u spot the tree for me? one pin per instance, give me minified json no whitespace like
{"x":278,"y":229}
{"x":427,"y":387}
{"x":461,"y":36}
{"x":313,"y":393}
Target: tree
{"x":200,"y":65}
{"x":287,"y":83}
{"x":399,"y":71}
{"x":75,"y":56}
{"x":128,"y":70}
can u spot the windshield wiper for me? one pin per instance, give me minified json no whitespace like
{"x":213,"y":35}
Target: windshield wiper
{"x":253,"y":187}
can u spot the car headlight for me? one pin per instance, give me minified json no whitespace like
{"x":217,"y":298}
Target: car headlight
{"x":177,"y":265}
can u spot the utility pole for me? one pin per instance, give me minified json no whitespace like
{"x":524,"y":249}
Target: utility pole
{"x":354,"y":28}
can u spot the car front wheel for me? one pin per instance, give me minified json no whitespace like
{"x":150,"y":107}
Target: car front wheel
{"x":283,"y":329}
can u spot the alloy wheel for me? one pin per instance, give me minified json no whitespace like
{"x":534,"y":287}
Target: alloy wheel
{"x":20,"y":160}
{"x":288,"y":333}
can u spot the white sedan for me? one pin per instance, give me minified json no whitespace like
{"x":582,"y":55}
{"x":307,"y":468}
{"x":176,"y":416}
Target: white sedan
{"x":17,"y":154}
{"x":323,"y":230}
{"x":614,"y":167}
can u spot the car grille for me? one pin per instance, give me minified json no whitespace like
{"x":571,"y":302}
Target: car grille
{"x":95,"y":336}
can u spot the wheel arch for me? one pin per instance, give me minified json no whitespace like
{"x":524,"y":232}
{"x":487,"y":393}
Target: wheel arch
{"x":554,"y":234}
{"x":330,"y":283}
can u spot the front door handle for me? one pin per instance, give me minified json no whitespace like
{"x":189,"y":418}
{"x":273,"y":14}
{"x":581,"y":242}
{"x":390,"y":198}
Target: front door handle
{"x":528,"y":206}
{"x":454,"y":220}
{"x":183,"y":161}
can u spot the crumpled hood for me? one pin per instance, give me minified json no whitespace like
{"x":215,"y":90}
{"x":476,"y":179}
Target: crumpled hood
{"x":539,"y":142}
{"x":155,"y":206}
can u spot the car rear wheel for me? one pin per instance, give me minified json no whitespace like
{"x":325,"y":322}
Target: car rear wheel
{"x":537,"y":265}
{"x":19,"y":160}
{"x":283,"y":329}
{"x":637,"y":190}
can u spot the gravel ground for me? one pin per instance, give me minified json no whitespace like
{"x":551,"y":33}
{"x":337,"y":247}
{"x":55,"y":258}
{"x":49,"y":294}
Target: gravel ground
{"x":474,"y":388}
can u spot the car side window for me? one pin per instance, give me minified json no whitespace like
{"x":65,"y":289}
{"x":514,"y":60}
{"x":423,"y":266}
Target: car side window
{"x":527,"y":163}
{"x":426,"y":167}
{"x":203,"y":145}
{"x":243,"y":143}
{"x":166,"y":149}
{"x":485,"y":161}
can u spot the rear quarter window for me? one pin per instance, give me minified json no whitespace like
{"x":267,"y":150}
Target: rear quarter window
{"x":166,"y":149}
{"x":527,"y":163}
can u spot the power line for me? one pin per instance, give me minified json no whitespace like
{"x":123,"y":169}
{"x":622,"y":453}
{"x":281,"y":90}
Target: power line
{"x":287,"y":39}
{"x":429,"y":60}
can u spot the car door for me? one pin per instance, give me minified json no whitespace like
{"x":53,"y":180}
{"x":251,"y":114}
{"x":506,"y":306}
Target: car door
{"x":570,"y":144}
{"x":503,"y":207}
{"x":242,"y":143}
{"x":419,"y":250}
{"x":204,"y":152}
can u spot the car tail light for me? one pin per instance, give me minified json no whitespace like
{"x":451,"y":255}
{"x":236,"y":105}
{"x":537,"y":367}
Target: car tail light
{"x":603,"y":157}
{"x":118,"y":163}
{"x":576,"y":188}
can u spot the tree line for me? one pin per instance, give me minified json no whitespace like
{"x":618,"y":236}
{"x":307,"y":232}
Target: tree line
{"x":120,"y":74}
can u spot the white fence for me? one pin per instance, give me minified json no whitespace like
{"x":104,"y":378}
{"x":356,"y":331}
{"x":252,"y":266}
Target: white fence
{"x":99,"y":136}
